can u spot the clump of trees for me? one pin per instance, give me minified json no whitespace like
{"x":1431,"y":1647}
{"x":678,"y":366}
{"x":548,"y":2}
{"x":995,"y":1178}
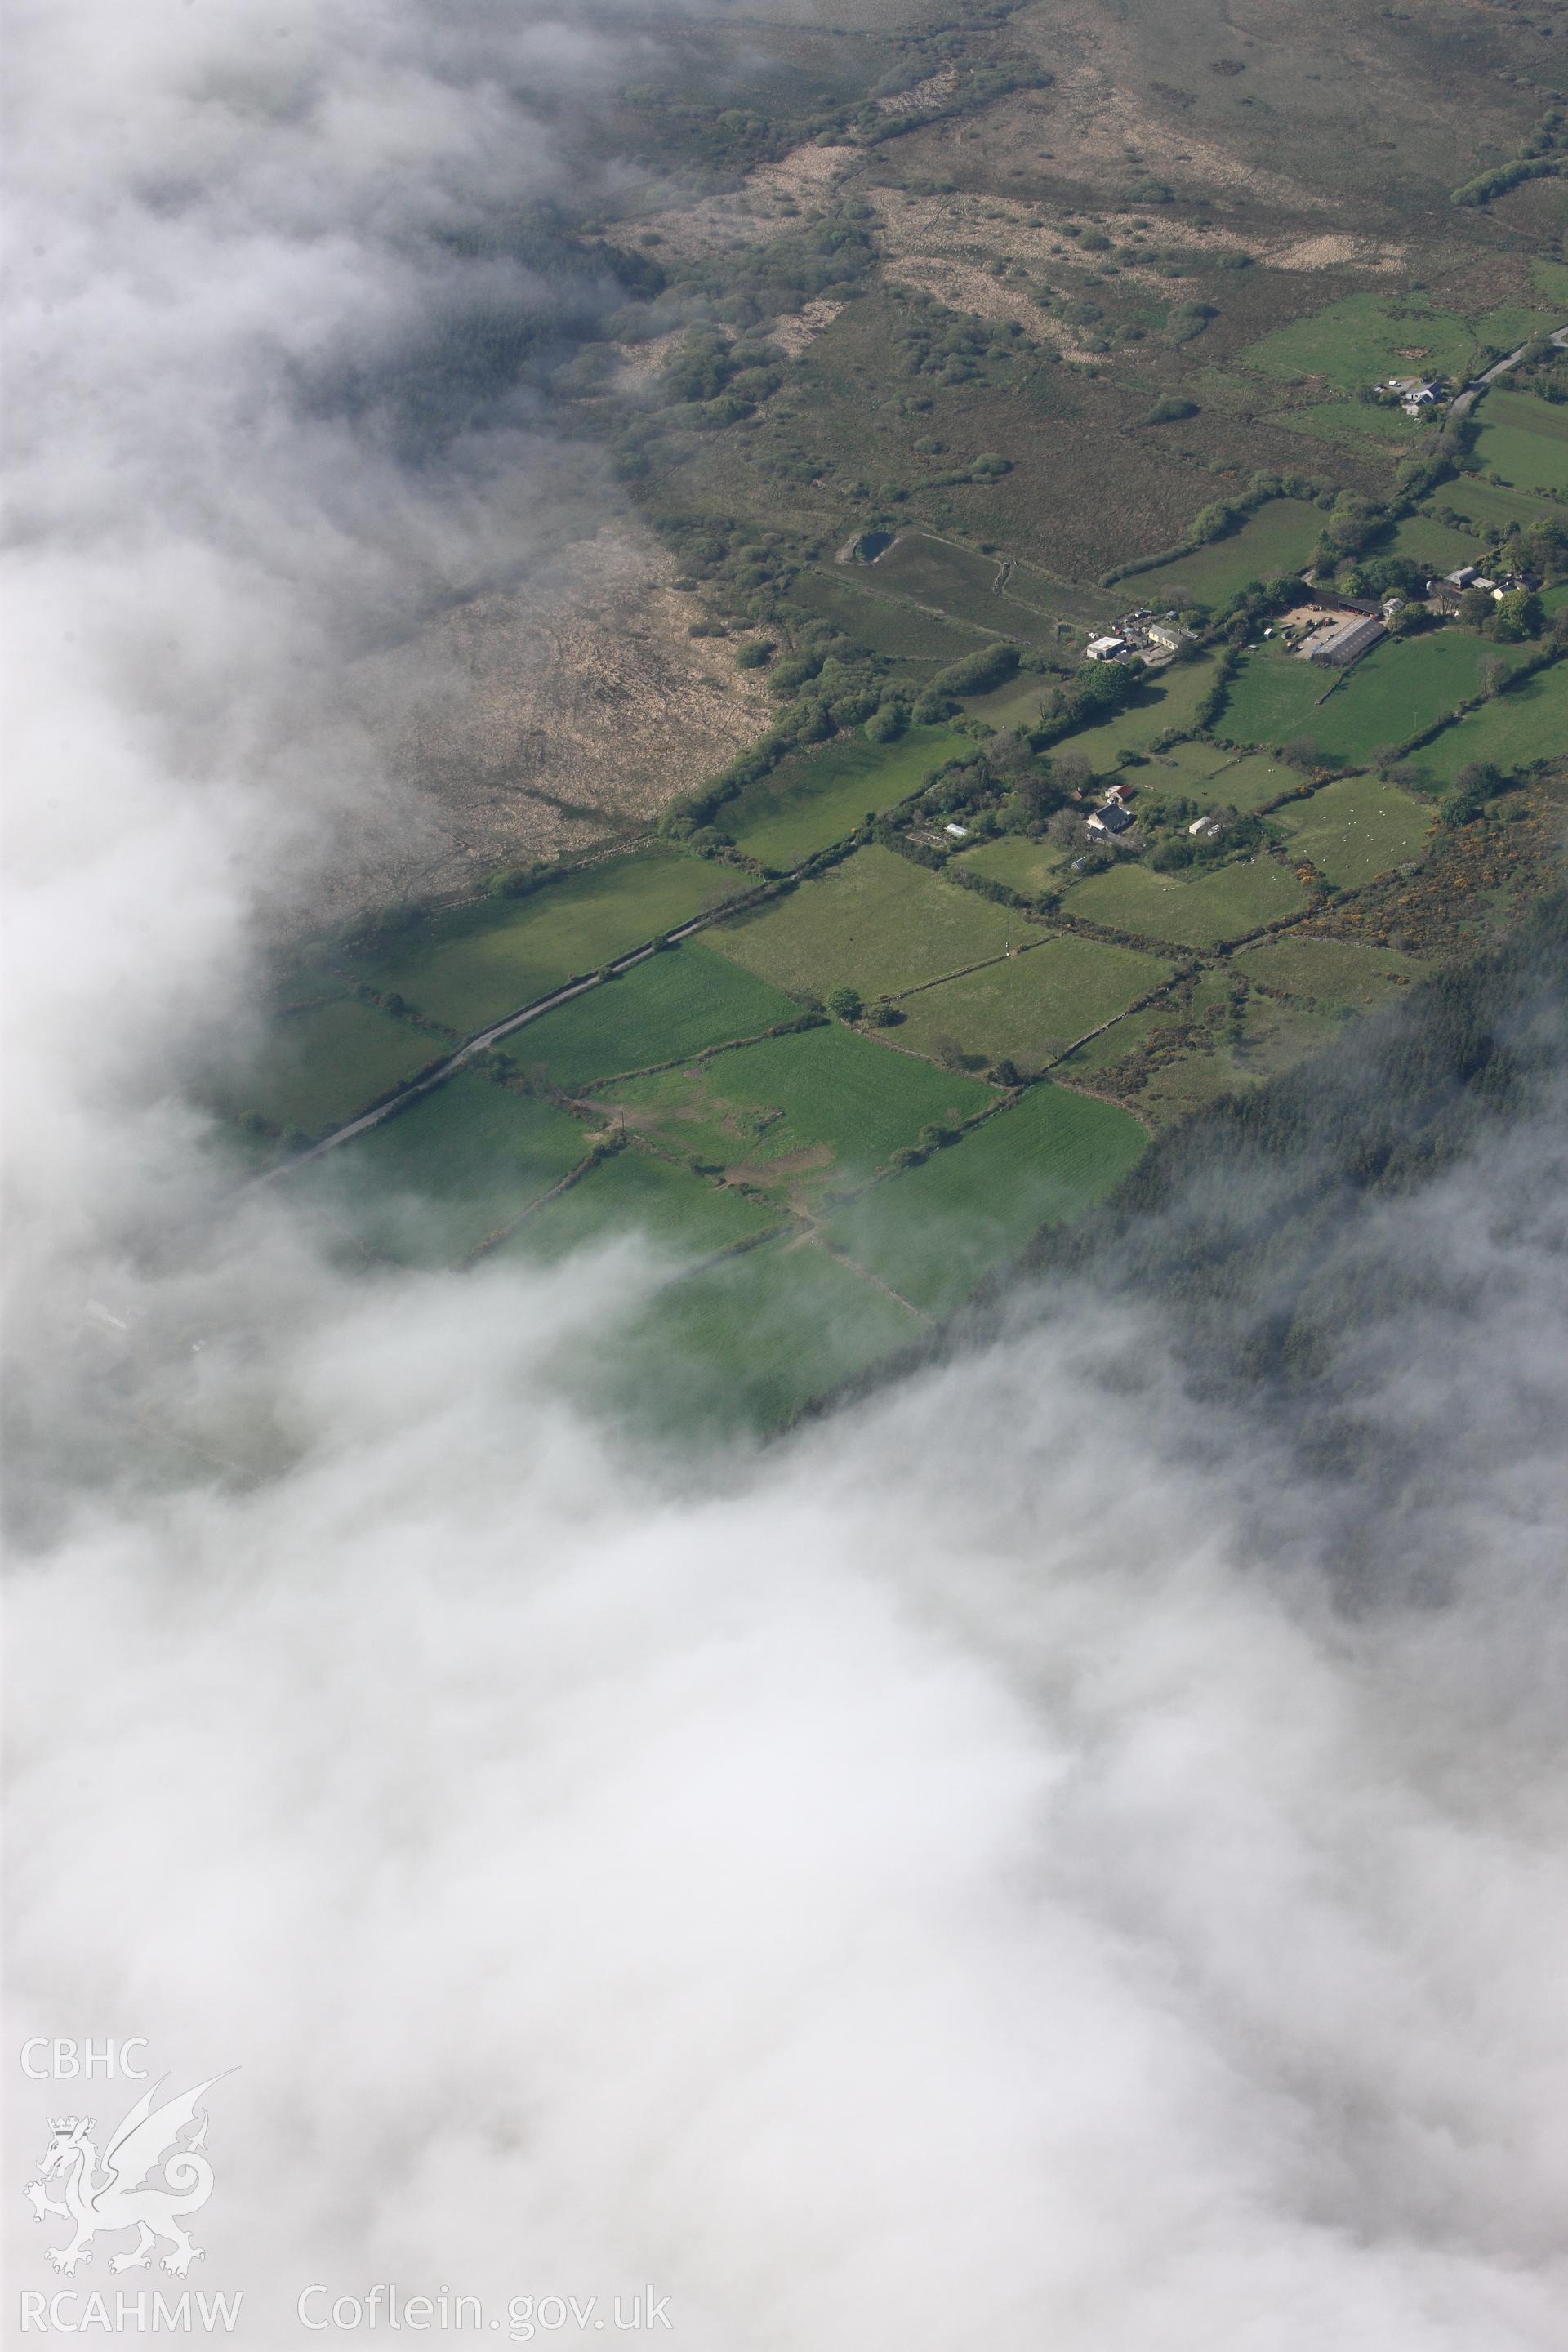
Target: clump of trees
{"x":976,"y":673}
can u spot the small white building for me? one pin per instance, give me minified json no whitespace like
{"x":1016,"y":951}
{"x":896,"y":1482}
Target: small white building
{"x":1206,"y":825}
{"x":957,"y":832}
{"x":1104,"y":648}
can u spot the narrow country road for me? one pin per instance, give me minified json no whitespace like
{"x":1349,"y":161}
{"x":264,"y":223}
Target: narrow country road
{"x":477,"y":1044}
{"x":1472,"y":392}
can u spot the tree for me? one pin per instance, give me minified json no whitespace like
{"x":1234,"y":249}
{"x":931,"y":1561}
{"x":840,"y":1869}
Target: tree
{"x":845,"y":1003}
{"x":754,"y":653}
{"x":1476,"y":605}
{"x":1518,"y":616}
{"x":1474,"y":787}
{"x":1493,"y":673}
{"x":1037,"y":793}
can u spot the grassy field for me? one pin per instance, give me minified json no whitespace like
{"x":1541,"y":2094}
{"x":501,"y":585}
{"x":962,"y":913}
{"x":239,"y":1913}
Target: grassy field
{"x":793,"y":1113}
{"x":1400,"y":687}
{"x":1275,"y":697}
{"x":1368,"y":337}
{"x":473,"y":964}
{"x":1329,"y":972}
{"x":672,"y":1004}
{"x":1484,"y":502}
{"x":1187,"y":767}
{"x":808,"y":803}
{"x":1221,"y":906}
{"x":1529,"y":722}
{"x":743,"y":1346}
{"x":932,"y":1233}
{"x":877,"y":923}
{"x":1426,"y":541}
{"x":1169,"y":699}
{"x":1251,"y":783}
{"x":880,"y":625}
{"x":1031,"y":1008}
{"x":1357,"y":828}
{"x":1353,"y":421}
{"x":1276,"y":539}
{"x":317,"y":1067}
{"x":1021,"y":862}
{"x":1089,"y":608}
{"x":1532,"y":460}
{"x":1219,"y":780}
{"x":1017,"y":704}
{"x":936,"y":573}
{"x":432,"y":1182}
{"x":682,"y":1216}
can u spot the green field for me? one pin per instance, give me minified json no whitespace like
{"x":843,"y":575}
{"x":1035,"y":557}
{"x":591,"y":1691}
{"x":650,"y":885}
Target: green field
{"x":1187,"y":767}
{"x":1169,"y":700}
{"x":1275,"y":697}
{"x":1329,"y":972}
{"x":470,"y":965}
{"x":1356,"y":828}
{"x":807,"y":804}
{"x":1484,"y":503}
{"x":823,"y":1104}
{"x":934,"y":571}
{"x":1525,"y":413}
{"x":1529,"y":722}
{"x":432,"y":1182}
{"x":670,"y":1005}
{"x":1032,"y":1007}
{"x":882,"y":626}
{"x":1221,"y":906}
{"x":682,"y":1216}
{"x":1369,"y":337}
{"x":1350,"y":421}
{"x":742,"y":1346}
{"x":1244,"y":784}
{"x":1275,"y":540}
{"x":1426,"y":541}
{"x":1017,"y":704}
{"x":1252,"y":783}
{"x":877,"y":922}
{"x":932,"y":1233}
{"x":1024,"y":865}
{"x":315,"y":1068}
{"x":1525,"y":460}
{"x":1399,"y":687}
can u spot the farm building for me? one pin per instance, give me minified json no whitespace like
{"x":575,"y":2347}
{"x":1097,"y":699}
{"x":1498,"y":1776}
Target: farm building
{"x":1112,"y":818}
{"x":1348,"y":643}
{"x":1165,"y":635}
{"x":1104,"y":648}
{"x":1203,"y":827}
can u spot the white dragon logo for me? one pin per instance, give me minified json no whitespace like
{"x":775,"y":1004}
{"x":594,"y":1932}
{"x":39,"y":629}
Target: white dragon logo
{"x":147,"y":2140}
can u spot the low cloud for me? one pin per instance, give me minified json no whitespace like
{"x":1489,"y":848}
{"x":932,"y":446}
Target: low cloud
{"x":946,"y":1875}
{"x":981,"y":1872}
